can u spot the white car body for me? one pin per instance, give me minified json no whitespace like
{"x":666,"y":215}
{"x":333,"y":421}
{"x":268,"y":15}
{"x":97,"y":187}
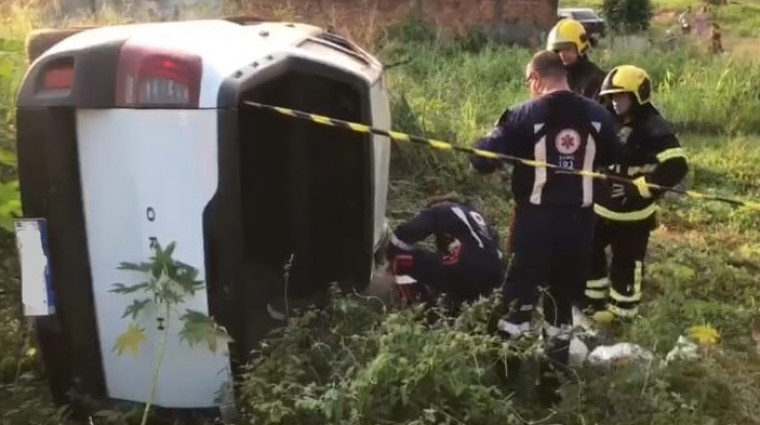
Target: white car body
{"x":136,"y":162}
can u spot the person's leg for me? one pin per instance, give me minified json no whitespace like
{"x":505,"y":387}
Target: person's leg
{"x":570,"y":258}
{"x":629,"y":248}
{"x":449,"y":284}
{"x":569,"y":265}
{"x":597,"y":283}
{"x":529,"y":252}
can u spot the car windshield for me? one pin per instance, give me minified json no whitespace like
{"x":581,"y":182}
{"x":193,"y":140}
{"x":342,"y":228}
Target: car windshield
{"x":584,"y":14}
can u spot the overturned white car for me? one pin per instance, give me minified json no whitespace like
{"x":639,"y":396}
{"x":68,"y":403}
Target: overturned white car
{"x":129,"y":135}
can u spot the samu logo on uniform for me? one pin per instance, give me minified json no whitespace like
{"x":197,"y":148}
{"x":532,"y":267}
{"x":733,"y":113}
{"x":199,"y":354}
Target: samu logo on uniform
{"x":567,"y":141}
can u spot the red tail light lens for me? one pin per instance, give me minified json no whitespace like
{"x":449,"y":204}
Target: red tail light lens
{"x":151,"y":78}
{"x":58,"y":75}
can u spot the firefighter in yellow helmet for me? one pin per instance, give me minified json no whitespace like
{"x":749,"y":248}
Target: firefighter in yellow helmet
{"x":626,"y":212}
{"x":568,"y":38}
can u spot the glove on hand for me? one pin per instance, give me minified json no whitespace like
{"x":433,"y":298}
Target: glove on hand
{"x":626,"y":192}
{"x":622,"y":191}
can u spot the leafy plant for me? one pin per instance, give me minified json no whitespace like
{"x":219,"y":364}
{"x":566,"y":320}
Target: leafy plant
{"x":628,"y":16}
{"x":168,"y":283}
{"x":686,"y":392}
{"x":11,"y":69}
{"x":23,"y":402}
{"x":10,"y":204}
{"x":354,"y":364}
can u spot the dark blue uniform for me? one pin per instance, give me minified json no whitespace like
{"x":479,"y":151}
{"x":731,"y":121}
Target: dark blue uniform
{"x":552,"y":223}
{"x":468,"y":261}
{"x":585,"y":77}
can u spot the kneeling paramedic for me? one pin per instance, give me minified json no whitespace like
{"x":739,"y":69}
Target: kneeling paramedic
{"x":468,"y":261}
{"x":550,"y":237}
{"x":626,"y":212}
{"x":569,"y":40}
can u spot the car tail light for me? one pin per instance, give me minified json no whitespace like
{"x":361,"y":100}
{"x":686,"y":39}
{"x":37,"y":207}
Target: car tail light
{"x":58,"y":75}
{"x":154,"y":78}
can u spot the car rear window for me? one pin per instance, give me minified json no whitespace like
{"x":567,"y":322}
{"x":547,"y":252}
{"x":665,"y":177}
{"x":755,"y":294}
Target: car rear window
{"x":582,"y":14}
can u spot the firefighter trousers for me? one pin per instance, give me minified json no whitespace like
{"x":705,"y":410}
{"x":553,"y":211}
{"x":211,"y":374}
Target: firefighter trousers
{"x":548,"y":248}
{"x":616,"y":286}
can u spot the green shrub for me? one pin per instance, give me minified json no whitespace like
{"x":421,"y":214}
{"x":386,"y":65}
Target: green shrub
{"x":11,"y":69}
{"x":705,"y":391}
{"x":351,"y":365}
{"x":346,"y":365}
{"x":627,"y":16}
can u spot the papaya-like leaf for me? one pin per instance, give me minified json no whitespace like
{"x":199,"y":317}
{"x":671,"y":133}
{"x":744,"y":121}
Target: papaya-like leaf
{"x":135,"y":267}
{"x":132,"y":339}
{"x":120,"y":288}
{"x":198,"y":328}
{"x":135,"y":308}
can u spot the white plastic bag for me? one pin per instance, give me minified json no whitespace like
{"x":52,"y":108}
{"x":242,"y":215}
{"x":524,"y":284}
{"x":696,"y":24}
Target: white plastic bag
{"x":684,"y":349}
{"x":606,"y":354}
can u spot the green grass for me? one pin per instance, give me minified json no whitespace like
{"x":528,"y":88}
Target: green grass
{"x":703,"y":266}
{"x":741,"y":20}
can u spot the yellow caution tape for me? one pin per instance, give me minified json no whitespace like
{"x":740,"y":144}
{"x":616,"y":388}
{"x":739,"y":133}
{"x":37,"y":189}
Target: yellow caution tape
{"x":441,"y":145}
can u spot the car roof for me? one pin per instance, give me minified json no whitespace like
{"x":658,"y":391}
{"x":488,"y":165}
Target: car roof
{"x":576,"y":9}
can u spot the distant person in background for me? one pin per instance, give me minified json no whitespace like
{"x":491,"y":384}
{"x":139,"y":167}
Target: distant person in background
{"x":468,"y":259}
{"x":716,"y":43}
{"x":684,"y":21}
{"x":569,"y":40}
{"x":701,"y":22}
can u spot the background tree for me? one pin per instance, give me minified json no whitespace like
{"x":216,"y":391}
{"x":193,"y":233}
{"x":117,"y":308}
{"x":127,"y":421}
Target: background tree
{"x":628,"y":16}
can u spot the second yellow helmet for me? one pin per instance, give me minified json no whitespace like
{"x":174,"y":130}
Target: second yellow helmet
{"x":565,"y":32}
{"x":628,"y":79}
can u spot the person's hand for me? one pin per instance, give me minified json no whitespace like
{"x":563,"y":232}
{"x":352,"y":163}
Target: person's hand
{"x":618,"y":191}
{"x":624,"y":192}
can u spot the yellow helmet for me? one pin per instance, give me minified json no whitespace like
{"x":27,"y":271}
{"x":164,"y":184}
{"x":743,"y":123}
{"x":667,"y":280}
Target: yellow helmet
{"x":568,"y":31}
{"x":628,"y":79}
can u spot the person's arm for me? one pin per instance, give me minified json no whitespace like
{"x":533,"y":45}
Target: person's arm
{"x":592,"y":89}
{"x":672,"y":165}
{"x":595,"y":84}
{"x":407,"y":234}
{"x":501,"y":140}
